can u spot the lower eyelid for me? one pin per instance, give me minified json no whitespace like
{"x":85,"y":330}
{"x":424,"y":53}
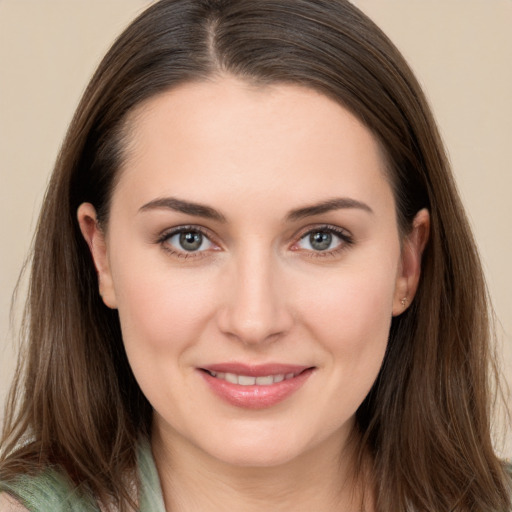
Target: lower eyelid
{"x":345,"y":241}
{"x":204,"y":238}
{"x":164,"y":238}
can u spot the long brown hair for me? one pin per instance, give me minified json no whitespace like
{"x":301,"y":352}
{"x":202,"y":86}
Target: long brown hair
{"x":426,"y":421}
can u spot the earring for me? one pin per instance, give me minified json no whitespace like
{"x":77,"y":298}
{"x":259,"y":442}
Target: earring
{"x":404,"y":302}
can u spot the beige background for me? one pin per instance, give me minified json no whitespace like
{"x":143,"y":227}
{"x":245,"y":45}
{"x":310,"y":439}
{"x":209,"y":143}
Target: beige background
{"x":461,"y":51}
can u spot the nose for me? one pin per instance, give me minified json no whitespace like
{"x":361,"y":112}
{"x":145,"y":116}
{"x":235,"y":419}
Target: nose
{"x":256,"y":309}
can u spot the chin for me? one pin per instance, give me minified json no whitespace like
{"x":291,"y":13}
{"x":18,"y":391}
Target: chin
{"x":266,"y":447}
{"x":257,"y":456}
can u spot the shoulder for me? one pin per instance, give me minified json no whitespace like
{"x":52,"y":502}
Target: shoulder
{"x":52,"y":491}
{"x":49,"y":491}
{"x":9,"y":504}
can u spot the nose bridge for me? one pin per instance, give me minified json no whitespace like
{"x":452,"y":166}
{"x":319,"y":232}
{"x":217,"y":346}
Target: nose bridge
{"x":256,"y":308}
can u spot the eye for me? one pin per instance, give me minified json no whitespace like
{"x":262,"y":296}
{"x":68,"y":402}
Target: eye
{"x":187,"y":240}
{"x":324,"y":239}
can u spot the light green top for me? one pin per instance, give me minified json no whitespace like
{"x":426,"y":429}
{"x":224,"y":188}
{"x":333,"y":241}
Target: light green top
{"x":51,"y":491}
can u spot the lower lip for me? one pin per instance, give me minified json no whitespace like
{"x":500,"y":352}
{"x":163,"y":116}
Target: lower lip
{"x":256,"y":397}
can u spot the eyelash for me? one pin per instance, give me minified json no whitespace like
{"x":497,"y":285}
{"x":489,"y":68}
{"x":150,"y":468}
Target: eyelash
{"x":346,"y":240}
{"x":164,"y":239}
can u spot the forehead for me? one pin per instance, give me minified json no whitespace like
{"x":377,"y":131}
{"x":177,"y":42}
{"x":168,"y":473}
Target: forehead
{"x":200,"y":138}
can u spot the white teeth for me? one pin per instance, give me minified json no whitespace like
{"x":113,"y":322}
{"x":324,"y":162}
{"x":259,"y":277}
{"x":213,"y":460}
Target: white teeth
{"x":244,"y":380}
{"x":247,"y":380}
{"x":264,"y":381}
{"x":231,"y":377}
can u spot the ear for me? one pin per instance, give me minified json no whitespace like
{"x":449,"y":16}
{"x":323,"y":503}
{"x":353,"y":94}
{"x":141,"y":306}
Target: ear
{"x":410,"y":266}
{"x":95,"y":238}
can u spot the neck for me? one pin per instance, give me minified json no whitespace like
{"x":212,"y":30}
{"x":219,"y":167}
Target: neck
{"x":320,"y":480}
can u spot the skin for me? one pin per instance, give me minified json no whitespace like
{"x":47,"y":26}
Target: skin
{"x":257,"y":291}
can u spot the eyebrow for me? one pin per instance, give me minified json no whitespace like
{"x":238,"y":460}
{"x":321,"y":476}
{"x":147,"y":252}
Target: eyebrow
{"x":201,"y":210}
{"x":178,"y":205}
{"x":328,"y":206}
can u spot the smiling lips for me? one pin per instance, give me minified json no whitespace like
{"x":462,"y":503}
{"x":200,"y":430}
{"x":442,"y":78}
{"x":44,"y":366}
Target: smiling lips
{"x":255,"y":387}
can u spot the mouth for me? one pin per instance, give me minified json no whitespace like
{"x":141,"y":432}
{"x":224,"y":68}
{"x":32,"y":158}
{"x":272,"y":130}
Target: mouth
{"x":255,"y":387}
{"x":248,"y":380}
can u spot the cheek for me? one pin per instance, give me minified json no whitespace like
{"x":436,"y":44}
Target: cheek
{"x":162,"y":316}
{"x":351,"y":318}
{"x":160,"y":310}
{"x":352,"y":303}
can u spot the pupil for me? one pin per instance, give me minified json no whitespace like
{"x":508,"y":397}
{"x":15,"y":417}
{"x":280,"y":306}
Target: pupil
{"x":191,"y":241}
{"x":320,"y":240}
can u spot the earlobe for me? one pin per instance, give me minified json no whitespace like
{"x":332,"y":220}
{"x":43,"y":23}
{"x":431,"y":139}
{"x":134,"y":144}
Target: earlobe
{"x":95,"y":238}
{"x":410,"y":269}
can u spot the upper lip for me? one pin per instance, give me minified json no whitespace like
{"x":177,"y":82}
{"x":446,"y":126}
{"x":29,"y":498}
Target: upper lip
{"x":255,"y":370}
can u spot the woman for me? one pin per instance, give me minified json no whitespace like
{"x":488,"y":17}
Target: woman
{"x":253,"y":282}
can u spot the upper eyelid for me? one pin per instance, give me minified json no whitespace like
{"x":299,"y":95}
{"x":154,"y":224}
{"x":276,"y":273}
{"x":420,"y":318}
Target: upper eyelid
{"x":345,"y":236}
{"x":337,"y":230}
{"x":297,"y":236}
{"x":166,"y":233}
{"x":163,"y":239}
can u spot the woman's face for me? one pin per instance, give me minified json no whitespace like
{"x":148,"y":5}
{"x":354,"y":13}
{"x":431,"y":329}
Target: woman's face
{"x":253,"y":254}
